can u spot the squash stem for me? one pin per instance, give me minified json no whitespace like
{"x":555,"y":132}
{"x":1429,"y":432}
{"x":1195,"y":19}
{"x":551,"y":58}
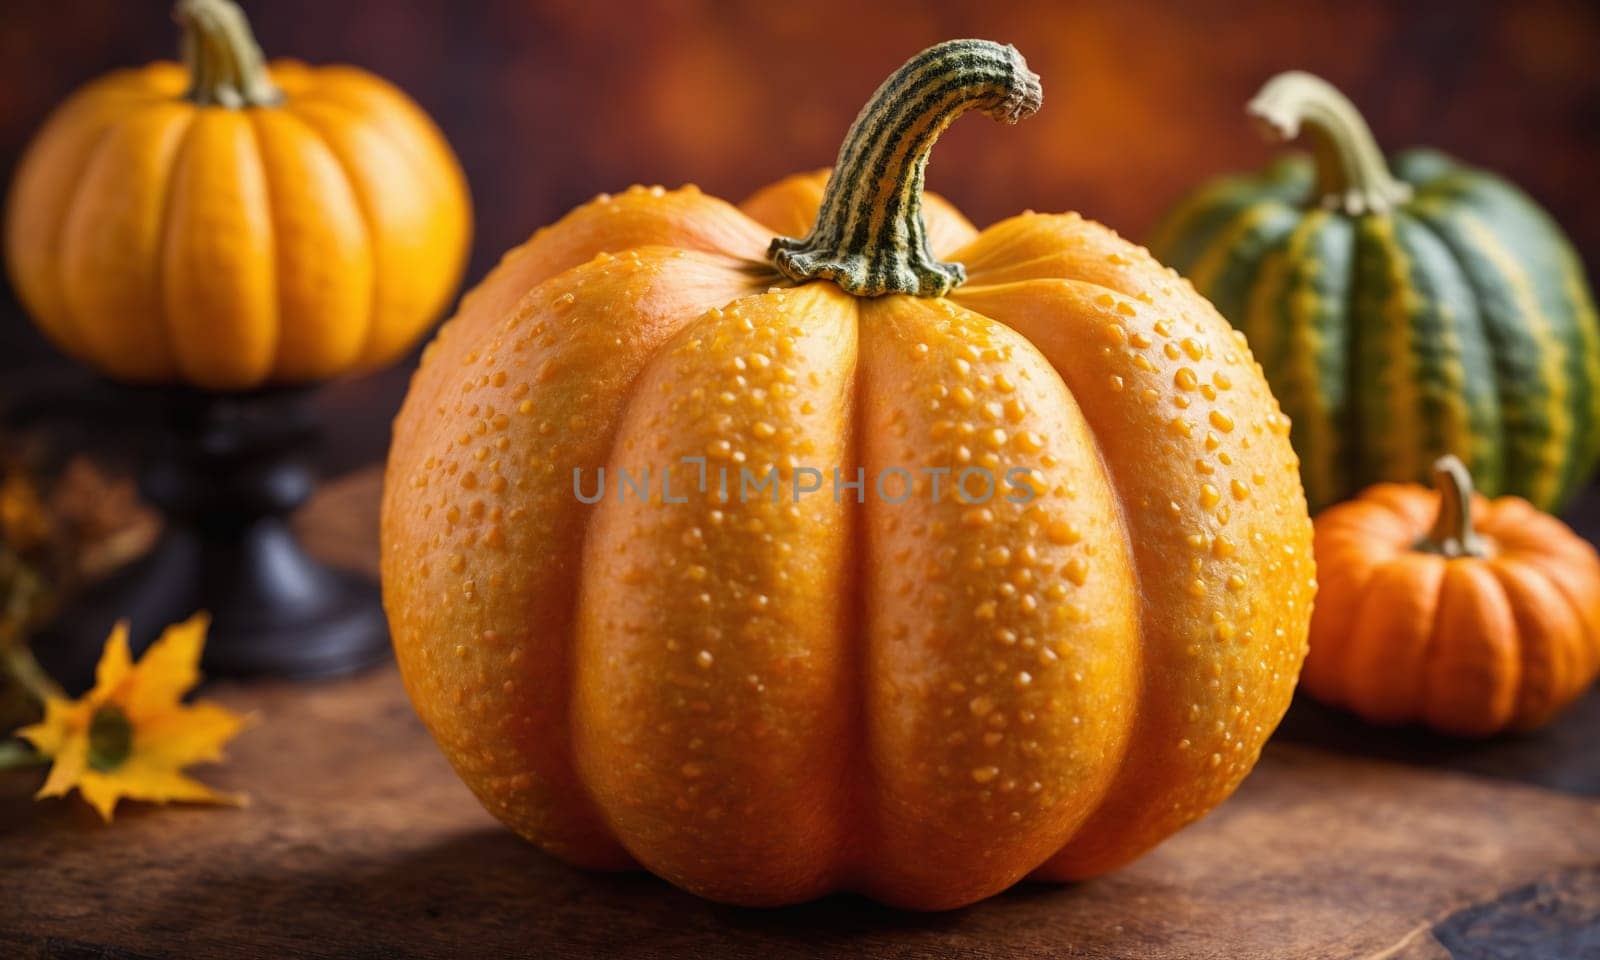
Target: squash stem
{"x":1351,"y":173}
{"x":870,"y":237}
{"x":226,"y":67}
{"x":1452,"y":534}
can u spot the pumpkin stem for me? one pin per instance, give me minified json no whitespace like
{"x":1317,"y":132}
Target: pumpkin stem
{"x":1452,"y":534}
{"x":1351,"y":173}
{"x":226,"y":67}
{"x":869,"y":237}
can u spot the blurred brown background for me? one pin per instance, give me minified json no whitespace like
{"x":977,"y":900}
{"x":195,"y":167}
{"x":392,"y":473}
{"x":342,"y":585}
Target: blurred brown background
{"x":549,"y":102}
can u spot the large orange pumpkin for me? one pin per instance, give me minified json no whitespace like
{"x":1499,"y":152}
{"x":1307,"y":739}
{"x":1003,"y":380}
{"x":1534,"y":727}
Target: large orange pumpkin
{"x":230,"y":224}
{"x":922,"y":694}
{"x":1440,"y":607}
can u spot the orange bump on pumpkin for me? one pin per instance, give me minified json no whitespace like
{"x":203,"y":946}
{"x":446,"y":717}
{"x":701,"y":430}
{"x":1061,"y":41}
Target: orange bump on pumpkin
{"x":230,"y":223}
{"x":916,"y":697}
{"x":1443,"y":608}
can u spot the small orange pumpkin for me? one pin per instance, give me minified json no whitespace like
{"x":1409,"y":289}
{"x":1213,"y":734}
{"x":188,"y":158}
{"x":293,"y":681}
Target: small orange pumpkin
{"x":1440,"y":607}
{"x":915,"y":695}
{"x":233,"y":224}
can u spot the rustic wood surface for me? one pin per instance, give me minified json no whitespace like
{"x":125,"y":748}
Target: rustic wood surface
{"x":360,"y":843}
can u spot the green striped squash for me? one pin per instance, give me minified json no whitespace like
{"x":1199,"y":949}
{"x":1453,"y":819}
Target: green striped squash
{"x":1402,"y":310}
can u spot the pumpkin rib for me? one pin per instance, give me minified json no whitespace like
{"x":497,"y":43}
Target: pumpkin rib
{"x":1582,"y":657}
{"x":323,"y":264}
{"x":861,"y":791}
{"x":1533,"y":427}
{"x":557,"y":345}
{"x":1353,"y":541}
{"x":1481,"y":378}
{"x":1068,"y":860}
{"x":960,"y":708}
{"x":219,"y":285}
{"x":1501,"y":278}
{"x":1587,"y":325}
{"x":1382,"y":306}
{"x":368,"y":219}
{"x":1567,"y":297}
{"x":1320,"y":388}
{"x":1345,"y":565}
{"x":1456,"y":355}
{"x":113,"y":239}
{"x":1472,"y":669}
{"x":1005,"y":239}
{"x":1352,"y":384}
{"x":272,"y":241}
{"x":590,"y":816}
{"x":1390,"y":638}
{"x":862,"y":788}
{"x":163,"y":310}
{"x":363,"y":220}
{"x":406,"y":127}
{"x":56,"y":318}
{"x":1570,"y":584}
{"x":1546,"y":626}
{"x":414,"y":136}
{"x":734,"y":607}
{"x":395,"y":242}
{"x":73,"y":210}
{"x":1133,"y":815}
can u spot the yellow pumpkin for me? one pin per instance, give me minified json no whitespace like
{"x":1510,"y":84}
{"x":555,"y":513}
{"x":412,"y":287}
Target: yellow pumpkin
{"x":771,"y":694}
{"x":235,"y":224}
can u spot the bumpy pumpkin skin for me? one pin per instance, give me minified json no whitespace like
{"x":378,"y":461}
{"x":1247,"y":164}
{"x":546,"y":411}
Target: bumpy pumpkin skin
{"x":923,"y":701}
{"x":1468,"y":645}
{"x":1456,"y":319}
{"x":161,"y":240}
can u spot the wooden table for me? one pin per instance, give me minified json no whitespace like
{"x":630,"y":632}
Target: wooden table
{"x":1347,"y":842}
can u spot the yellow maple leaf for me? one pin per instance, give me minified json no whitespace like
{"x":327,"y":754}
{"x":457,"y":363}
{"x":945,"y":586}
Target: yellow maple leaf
{"x":131,"y":736}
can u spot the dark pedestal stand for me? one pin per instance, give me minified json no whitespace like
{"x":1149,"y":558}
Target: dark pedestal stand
{"x":226,"y":472}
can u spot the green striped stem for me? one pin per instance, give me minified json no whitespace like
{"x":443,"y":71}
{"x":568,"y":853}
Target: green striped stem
{"x":869,"y":237}
{"x":226,"y":68}
{"x":1351,"y":173}
{"x":1452,"y":534}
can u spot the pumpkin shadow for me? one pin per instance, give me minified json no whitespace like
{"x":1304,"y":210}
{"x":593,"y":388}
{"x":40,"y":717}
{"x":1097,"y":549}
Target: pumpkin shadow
{"x":488,"y":893}
{"x":1555,"y":757}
